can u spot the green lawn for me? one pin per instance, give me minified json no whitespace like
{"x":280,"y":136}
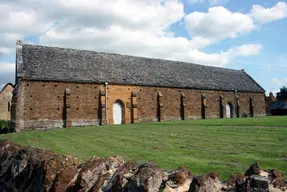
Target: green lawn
{"x":222,"y":145}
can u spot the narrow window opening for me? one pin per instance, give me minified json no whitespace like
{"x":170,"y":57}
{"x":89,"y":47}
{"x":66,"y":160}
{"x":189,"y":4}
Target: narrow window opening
{"x":203,"y":106}
{"x":9,"y":106}
{"x":221,"y":106}
{"x":182,"y":107}
{"x":251,"y":107}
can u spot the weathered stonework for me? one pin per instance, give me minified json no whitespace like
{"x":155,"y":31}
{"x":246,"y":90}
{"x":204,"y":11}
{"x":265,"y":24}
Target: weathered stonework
{"x":58,"y":104}
{"x":5,"y":101}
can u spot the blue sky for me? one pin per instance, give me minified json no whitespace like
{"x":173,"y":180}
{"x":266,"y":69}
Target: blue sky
{"x":225,"y":33}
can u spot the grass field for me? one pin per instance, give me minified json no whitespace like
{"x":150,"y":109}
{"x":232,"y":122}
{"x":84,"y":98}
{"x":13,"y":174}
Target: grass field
{"x":222,"y":145}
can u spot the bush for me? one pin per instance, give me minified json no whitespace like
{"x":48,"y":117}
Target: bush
{"x":4,"y":126}
{"x":282,"y":95}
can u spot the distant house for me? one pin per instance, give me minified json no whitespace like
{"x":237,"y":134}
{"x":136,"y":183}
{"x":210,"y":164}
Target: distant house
{"x":279,"y":107}
{"x":268,"y":101}
{"x":5,"y":101}
{"x":59,"y":87}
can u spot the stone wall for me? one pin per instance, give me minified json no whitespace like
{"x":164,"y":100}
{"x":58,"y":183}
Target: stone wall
{"x":5,"y":101}
{"x":177,"y":104}
{"x":31,"y":169}
{"x":59,"y":104}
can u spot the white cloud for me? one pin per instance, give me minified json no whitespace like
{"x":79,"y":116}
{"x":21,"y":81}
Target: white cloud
{"x":265,"y":15}
{"x":5,"y":50}
{"x":8,"y":42}
{"x":218,"y":23}
{"x":198,"y":42}
{"x":7,"y":72}
{"x":134,"y":27}
{"x":219,"y":59}
{"x":276,"y":82}
{"x":250,"y":49}
{"x":7,"y":67}
{"x":279,"y":82}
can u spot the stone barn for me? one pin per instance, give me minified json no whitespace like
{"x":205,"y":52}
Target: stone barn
{"x":5,"y":101}
{"x":59,"y":87}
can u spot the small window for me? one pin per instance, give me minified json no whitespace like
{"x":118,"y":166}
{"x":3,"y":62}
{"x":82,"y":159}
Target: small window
{"x":9,"y":106}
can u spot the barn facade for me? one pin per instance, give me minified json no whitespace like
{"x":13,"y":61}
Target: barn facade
{"x":58,"y":87}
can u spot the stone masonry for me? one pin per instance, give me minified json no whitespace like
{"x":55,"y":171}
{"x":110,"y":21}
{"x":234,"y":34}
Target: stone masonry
{"x":47,"y":104}
{"x":5,"y":101}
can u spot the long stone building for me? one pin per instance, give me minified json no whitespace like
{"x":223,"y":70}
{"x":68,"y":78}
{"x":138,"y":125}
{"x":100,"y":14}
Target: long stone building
{"x":59,"y":87}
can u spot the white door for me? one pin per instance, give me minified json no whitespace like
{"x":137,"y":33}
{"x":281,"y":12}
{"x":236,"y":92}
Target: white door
{"x":117,"y":113}
{"x":228,"y":111}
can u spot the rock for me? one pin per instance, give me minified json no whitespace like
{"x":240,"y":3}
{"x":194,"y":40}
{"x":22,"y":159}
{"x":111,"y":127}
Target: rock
{"x":178,"y":180}
{"x":277,"y":179}
{"x":180,"y":175}
{"x":65,"y":177}
{"x":29,"y":169}
{"x":147,"y":178}
{"x":119,"y":178}
{"x":93,"y":174}
{"x":253,"y":170}
{"x":234,"y":182}
{"x":255,"y":183}
{"x":207,"y":183}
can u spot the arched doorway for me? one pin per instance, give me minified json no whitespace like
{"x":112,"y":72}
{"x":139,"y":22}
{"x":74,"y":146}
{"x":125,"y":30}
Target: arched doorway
{"x":118,"y":112}
{"x":229,"y":110}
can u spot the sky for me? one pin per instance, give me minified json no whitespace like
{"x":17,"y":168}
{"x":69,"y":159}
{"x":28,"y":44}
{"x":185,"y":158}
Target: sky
{"x":235,"y":34}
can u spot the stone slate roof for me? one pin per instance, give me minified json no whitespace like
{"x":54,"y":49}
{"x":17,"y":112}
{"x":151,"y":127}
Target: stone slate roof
{"x":279,"y":105}
{"x":61,"y":64}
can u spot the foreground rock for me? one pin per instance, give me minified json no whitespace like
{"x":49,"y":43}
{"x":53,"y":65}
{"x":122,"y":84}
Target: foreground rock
{"x":30,"y":169}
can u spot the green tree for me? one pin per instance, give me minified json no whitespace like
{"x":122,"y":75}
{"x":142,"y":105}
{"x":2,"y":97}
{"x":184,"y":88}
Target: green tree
{"x":282,"y":95}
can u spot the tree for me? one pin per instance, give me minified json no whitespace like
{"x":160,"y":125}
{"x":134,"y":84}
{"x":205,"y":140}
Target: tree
{"x":282,"y":95}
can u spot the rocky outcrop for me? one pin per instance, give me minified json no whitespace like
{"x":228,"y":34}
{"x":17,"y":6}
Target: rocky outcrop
{"x":30,"y":169}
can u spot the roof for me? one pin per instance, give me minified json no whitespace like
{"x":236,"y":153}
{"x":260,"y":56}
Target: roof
{"x":282,"y":104}
{"x":62,"y":64}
